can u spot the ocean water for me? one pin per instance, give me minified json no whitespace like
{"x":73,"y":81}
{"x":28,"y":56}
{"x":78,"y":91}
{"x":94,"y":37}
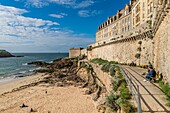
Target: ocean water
{"x":17,"y":66}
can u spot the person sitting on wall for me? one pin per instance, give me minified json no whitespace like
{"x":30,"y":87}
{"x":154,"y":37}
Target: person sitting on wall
{"x":151,"y":74}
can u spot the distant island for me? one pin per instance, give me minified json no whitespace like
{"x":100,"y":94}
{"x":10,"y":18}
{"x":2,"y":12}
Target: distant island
{"x":5,"y":54}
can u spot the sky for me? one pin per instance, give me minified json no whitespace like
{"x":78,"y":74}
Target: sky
{"x":52,"y":25}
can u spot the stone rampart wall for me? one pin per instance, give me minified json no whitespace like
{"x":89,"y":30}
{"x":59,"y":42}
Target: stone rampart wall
{"x":84,"y":52}
{"x":162,"y":48}
{"x":156,"y":50}
{"x":124,"y":52}
{"x":74,"y":52}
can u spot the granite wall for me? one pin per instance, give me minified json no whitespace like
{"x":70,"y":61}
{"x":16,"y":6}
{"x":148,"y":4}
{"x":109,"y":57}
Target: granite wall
{"x":162,"y":48}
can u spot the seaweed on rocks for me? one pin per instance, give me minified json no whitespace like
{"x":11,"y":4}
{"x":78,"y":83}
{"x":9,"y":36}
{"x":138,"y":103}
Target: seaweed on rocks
{"x":61,"y":72}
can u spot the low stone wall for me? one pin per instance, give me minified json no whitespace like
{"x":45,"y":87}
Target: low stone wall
{"x":104,"y":77}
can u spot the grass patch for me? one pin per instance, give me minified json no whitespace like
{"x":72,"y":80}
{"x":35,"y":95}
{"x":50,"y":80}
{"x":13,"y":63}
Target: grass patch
{"x":111,"y":102}
{"x":98,"y":61}
{"x":166,"y":89}
{"x":120,"y":96}
{"x":101,"y":61}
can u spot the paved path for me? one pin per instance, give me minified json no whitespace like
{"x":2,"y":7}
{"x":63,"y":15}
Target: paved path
{"x":152,"y":98}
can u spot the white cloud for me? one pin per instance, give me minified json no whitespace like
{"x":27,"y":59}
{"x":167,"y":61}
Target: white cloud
{"x":84,"y":4}
{"x":36,"y":3}
{"x":88,"y":13}
{"x":63,"y":2}
{"x":25,"y":34}
{"x":12,"y":10}
{"x":68,"y":3}
{"x":61,"y":15}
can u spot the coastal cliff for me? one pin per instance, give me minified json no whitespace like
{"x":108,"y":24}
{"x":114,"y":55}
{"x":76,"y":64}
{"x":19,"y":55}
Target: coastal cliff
{"x":4,"y":53}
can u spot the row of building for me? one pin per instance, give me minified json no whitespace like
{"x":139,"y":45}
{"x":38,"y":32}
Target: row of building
{"x":134,"y":14}
{"x":134,"y":19}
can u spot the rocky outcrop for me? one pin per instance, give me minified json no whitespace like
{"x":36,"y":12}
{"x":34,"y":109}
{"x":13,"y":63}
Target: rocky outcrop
{"x":4,"y":53}
{"x":39,"y":63}
{"x":62,"y":72}
{"x":66,"y":72}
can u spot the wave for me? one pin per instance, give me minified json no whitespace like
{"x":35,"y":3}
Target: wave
{"x":50,"y":62}
{"x":25,"y":64}
{"x":22,"y":72}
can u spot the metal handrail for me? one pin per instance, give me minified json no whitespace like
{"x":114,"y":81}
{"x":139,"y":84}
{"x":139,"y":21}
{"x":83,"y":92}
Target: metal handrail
{"x":134,"y":88}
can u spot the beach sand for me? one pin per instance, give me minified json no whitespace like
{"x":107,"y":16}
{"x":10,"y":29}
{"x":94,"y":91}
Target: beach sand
{"x":43,"y":98}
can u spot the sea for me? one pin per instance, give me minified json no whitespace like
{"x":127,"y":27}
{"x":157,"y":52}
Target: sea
{"x":14,"y":67}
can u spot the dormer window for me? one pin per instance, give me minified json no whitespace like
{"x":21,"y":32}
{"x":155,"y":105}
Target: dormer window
{"x":111,"y":20}
{"x":108,"y":21}
{"x":115,"y":18}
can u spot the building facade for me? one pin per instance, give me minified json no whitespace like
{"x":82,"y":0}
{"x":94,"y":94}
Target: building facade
{"x":142,"y":12}
{"x":132,"y":16}
{"x":115,"y":25}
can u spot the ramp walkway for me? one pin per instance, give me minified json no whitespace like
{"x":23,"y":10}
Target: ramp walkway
{"x":151,"y":98}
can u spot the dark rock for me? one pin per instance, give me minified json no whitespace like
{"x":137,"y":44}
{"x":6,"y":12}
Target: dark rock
{"x":39,"y":63}
{"x":32,"y":110}
{"x":5,"y":54}
{"x":62,"y":63}
{"x":20,"y":76}
{"x":19,"y":56}
{"x":23,"y":106}
{"x":88,"y":92}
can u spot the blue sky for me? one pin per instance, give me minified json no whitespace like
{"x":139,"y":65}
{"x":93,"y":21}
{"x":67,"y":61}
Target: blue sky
{"x":52,"y":25}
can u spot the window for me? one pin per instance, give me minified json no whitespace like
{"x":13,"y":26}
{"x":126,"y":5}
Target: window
{"x":122,"y":21}
{"x":106,"y":35}
{"x":143,"y":15}
{"x":111,"y":20}
{"x":148,"y":1}
{"x":122,"y":29}
{"x":106,"y":30}
{"x":148,"y":11}
{"x":137,"y":18}
{"x":115,"y":18}
{"x":137,"y":8}
{"x":143,"y":6}
{"x":151,"y":8}
{"x":108,"y":21}
{"x":128,"y":28}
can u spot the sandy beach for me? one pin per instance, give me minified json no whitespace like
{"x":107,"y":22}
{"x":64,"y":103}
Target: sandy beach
{"x":43,"y":98}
